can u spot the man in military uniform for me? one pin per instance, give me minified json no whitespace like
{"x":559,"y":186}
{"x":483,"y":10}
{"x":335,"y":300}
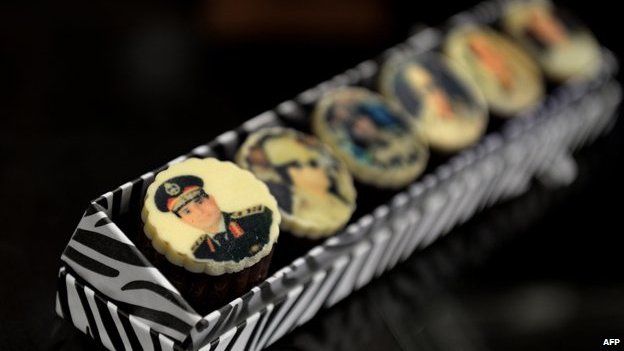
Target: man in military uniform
{"x":228,"y":236}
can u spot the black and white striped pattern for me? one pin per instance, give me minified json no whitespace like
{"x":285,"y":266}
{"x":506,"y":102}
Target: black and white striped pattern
{"x":96,"y":316}
{"x":101,"y":254}
{"x":112,"y":293}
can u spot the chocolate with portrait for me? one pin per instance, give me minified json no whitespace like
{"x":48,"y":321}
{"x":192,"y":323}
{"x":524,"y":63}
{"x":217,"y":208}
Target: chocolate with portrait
{"x":434,"y":78}
{"x":373,"y":136}
{"x":371,"y":129}
{"x":228,"y":236}
{"x":509,"y":78}
{"x":313,"y":189}
{"x":282,"y":188}
{"x":564,"y":47}
{"x":547,"y":29}
{"x":211,"y":228}
{"x":440,"y":97}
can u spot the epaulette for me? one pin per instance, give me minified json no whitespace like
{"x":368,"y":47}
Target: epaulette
{"x":199,"y":241}
{"x":248,"y":212}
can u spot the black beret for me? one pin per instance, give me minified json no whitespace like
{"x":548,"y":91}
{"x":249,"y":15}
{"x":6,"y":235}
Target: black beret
{"x":173,"y":188}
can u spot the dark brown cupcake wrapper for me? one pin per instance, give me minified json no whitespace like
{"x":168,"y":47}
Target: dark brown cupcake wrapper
{"x":204,"y":292}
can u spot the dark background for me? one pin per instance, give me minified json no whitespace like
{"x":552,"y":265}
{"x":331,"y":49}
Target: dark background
{"x":95,"y":93}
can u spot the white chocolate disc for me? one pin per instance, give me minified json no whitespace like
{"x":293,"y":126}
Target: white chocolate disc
{"x":564,"y":48}
{"x":210,"y":216}
{"x":440,"y":97}
{"x":508,"y":77}
{"x":374,"y":138}
{"x":313,"y":188}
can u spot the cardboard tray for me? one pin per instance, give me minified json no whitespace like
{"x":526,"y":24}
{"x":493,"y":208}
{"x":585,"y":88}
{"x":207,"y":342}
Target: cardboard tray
{"x":111,"y":292}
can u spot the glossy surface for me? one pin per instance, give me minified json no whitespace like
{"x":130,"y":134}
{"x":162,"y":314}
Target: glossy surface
{"x":509,"y":78}
{"x":313,"y":188}
{"x":440,"y":97}
{"x":375,"y":139}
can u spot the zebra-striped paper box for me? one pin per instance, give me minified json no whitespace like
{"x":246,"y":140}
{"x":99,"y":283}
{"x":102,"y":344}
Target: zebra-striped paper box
{"x":108,"y":290}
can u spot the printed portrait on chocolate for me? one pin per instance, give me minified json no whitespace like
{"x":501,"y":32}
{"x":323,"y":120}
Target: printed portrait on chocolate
{"x":228,"y":236}
{"x":564,"y":47}
{"x":508,"y":76}
{"x":429,"y":82}
{"x":307,"y":182}
{"x":372,"y":133}
{"x":494,"y":59}
{"x":547,"y":30}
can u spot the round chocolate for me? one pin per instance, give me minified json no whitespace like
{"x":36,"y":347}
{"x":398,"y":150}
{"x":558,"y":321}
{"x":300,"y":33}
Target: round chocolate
{"x":210,"y":216}
{"x":439,"y":95}
{"x":564,"y":48}
{"x":508,"y":77}
{"x":313,"y":188}
{"x":375,"y":139}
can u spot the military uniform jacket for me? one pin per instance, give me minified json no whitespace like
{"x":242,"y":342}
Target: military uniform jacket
{"x":246,"y":232}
